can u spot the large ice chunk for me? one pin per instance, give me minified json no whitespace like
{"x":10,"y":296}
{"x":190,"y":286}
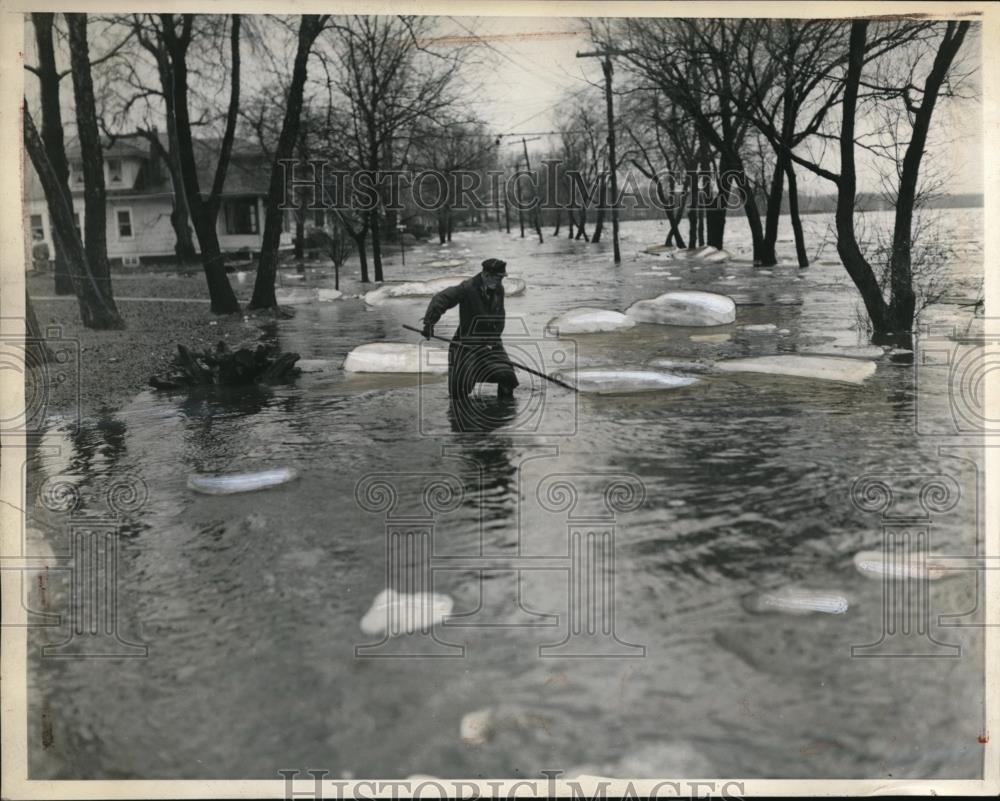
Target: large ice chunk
{"x":589,"y":320}
{"x":424,"y":289}
{"x":396,"y":357}
{"x":827,"y":368}
{"x":623,"y":381}
{"x":232,"y":483}
{"x":684,"y":308}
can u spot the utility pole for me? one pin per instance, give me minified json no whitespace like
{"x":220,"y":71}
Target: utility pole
{"x":608,"y":69}
{"x":535,"y":212}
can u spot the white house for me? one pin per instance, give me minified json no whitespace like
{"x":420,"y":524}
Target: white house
{"x":140,"y":199}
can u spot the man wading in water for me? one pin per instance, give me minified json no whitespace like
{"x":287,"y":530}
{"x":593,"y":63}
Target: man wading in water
{"x":480,"y":358}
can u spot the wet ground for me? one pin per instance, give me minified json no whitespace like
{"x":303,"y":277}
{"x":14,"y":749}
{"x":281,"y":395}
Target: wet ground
{"x":692,"y":499}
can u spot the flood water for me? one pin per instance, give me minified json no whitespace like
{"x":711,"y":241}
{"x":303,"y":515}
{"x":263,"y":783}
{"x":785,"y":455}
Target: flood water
{"x":249,"y":605}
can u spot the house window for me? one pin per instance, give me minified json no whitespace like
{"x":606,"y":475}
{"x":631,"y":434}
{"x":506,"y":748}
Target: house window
{"x":37,"y":227}
{"x":115,"y":171}
{"x":124,"y":219}
{"x":241,"y":216}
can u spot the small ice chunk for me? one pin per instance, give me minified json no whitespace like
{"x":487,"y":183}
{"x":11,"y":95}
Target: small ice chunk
{"x":828,"y":368}
{"x":404,"y":613}
{"x":716,"y":338}
{"x":623,"y":381}
{"x":588,"y":320}
{"x":326,"y":295}
{"x":294,"y":296}
{"x":681,"y":365}
{"x":656,"y":249}
{"x":797,"y":601}
{"x":240,"y":482}
{"x":476,"y":727}
{"x":760,"y":328}
{"x":918,"y":565}
{"x":688,"y":308}
{"x":784,"y":332}
{"x":846,"y":351}
{"x":765,"y":272}
{"x":425,"y":289}
{"x":443,"y":263}
{"x":397,"y":357}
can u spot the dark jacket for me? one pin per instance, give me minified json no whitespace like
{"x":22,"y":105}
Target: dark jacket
{"x":481,"y":317}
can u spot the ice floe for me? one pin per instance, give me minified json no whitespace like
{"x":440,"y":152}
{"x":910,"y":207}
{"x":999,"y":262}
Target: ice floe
{"x":682,"y":365}
{"x":240,"y":482}
{"x":846,"y":351}
{"x":623,"y":381}
{"x":404,"y":613}
{"x":588,"y":320}
{"x":827,"y":368}
{"x":396,"y":357}
{"x":761,"y":328}
{"x":326,"y":295}
{"x":918,"y":565}
{"x":424,"y":289}
{"x":688,"y":308}
{"x":442,"y":263}
{"x":796,"y":601}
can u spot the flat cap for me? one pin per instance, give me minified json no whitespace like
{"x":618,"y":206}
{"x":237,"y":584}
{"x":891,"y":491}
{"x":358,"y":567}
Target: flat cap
{"x":495,"y":266}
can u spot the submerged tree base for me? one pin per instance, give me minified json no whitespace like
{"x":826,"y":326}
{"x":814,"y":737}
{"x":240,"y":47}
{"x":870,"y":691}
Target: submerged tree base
{"x":224,"y":367}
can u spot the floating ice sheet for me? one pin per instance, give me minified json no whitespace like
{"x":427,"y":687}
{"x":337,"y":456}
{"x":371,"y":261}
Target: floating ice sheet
{"x":903,"y":566}
{"x":688,"y":308}
{"x":625,"y":381}
{"x":797,"y":601}
{"x":396,"y":357}
{"x":424,"y":289}
{"x":588,"y":320}
{"x":240,"y":482}
{"x":826,"y":368}
{"x":404,"y":613}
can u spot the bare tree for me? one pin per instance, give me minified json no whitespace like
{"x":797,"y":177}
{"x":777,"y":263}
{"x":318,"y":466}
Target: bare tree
{"x":310,"y":27}
{"x":390,"y":81}
{"x":204,"y":209}
{"x":49,"y":77}
{"x":91,"y":154}
{"x":97,"y":310}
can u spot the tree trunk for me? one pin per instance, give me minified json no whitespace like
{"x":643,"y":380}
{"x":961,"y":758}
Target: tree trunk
{"x":96,"y":310}
{"x":376,"y":243}
{"x":599,"y":222}
{"x":52,"y":130}
{"x":267,"y":265}
{"x":204,"y":211}
{"x":558,"y":222}
{"x":793,"y":211}
{"x":95,"y":224}
{"x":362,"y":247}
{"x":847,"y":245}
{"x":772,"y":213}
{"x":902,"y":304}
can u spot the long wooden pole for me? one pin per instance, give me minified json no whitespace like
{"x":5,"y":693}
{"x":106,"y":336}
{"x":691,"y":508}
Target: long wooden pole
{"x":518,"y":365}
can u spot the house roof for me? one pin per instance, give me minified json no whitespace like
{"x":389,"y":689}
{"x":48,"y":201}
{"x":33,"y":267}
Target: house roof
{"x":249,"y":170}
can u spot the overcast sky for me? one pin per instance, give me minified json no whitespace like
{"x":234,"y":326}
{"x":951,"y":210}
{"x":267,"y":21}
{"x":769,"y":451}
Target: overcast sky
{"x":523,"y":68}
